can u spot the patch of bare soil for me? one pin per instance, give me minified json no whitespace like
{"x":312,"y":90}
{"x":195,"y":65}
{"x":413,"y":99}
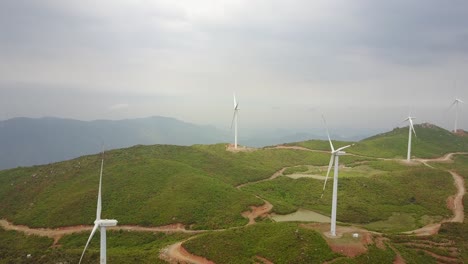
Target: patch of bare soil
{"x":344,"y":242}
{"x":255,"y":212}
{"x":262,"y":260}
{"x":231,"y":148}
{"x":55,"y":234}
{"x":461,"y":132}
{"x":427,"y":230}
{"x":446,"y":158}
{"x":177,"y":254}
{"x":399,"y":260}
{"x":379,"y":242}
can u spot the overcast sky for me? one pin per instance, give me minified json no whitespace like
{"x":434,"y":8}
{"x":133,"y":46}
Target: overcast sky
{"x":363,"y":63}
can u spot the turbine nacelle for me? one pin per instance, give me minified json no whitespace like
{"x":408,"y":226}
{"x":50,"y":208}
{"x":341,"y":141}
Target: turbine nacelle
{"x":339,"y":153}
{"x":106,"y":222}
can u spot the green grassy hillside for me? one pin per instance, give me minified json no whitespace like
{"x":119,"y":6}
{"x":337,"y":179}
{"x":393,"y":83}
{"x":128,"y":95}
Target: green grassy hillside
{"x":145,"y":185}
{"x":122,"y":247}
{"x":320,"y":144}
{"x":364,"y":199}
{"x":14,"y":247}
{"x":431,"y":141}
{"x":196,"y":186}
{"x":279,"y":242}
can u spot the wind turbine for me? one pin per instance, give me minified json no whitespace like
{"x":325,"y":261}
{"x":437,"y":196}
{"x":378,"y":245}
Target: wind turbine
{"x":100,"y":223}
{"x":234,"y":121}
{"x":456,"y":103}
{"x":335,"y":156}
{"x":411,"y":128}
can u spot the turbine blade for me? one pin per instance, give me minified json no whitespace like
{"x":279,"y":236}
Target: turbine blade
{"x":328,"y":172}
{"x":89,"y":240}
{"x":99,"y":204}
{"x":454,"y":103}
{"x":328,"y":134}
{"x":412,"y":128}
{"x":345,"y":147}
{"x":235,"y":101}
{"x":233,"y":117}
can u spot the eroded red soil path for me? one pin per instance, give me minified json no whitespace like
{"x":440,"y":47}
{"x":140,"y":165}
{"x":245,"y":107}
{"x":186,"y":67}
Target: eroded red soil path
{"x":57,"y":233}
{"x":176,"y":253}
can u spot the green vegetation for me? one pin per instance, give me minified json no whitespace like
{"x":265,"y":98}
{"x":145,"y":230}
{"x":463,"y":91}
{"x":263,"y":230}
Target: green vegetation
{"x":14,"y":247}
{"x":458,"y":232}
{"x":320,"y":144}
{"x":373,"y":255}
{"x":278,"y":242}
{"x":296,"y":169}
{"x":145,"y":185}
{"x":431,"y":142}
{"x":123,"y":247}
{"x":426,"y":249}
{"x":366,"y":199}
{"x":196,"y":186}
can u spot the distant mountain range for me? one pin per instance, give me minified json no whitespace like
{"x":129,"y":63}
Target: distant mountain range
{"x":27,"y":141}
{"x":34,"y":141}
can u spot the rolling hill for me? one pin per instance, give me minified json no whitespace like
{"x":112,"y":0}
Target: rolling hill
{"x":207,"y":187}
{"x":430,"y":141}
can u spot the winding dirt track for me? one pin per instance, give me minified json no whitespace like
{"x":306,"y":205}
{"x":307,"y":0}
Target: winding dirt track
{"x":275,"y":175}
{"x":297,"y":148}
{"x":454,"y":202}
{"x":57,"y":233}
{"x":176,"y":253}
{"x":458,"y":209}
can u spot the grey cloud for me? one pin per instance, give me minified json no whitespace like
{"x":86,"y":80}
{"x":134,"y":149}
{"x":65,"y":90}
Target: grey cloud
{"x":298,"y":55}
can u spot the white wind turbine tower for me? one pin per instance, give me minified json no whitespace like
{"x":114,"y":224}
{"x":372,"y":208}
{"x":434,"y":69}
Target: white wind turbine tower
{"x":411,"y":128}
{"x":234,"y":121}
{"x":101,"y":223}
{"x":456,"y":103}
{"x":335,"y":156}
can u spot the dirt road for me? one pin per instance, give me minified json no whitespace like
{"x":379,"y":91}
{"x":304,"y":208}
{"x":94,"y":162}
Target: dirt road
{"x":57,"y":233}
{"x":275,"y":175}
{"x":458,"y":210}
{"x":176,"y":253}
{"x":454,"y":203}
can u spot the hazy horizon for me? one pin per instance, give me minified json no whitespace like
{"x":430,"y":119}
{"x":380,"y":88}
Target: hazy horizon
{"x":364,"y":64}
